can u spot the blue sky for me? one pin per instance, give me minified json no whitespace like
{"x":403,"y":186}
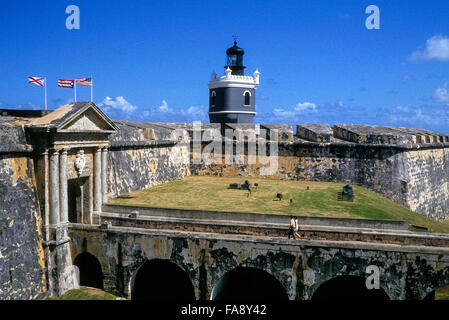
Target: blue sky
{"x":152,"y":60}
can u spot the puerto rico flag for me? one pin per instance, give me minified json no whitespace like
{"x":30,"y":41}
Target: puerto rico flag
{"x":66,"y":83}
{"x":37,"y":81}
{"x":84,"y":81}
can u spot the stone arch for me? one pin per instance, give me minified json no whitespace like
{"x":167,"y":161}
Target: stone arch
{"x":90,"y":272}
{"x":159,"y":279}
{"x":248,"y":283}
{"x":427,"y":278}
{"x":348,"y":287}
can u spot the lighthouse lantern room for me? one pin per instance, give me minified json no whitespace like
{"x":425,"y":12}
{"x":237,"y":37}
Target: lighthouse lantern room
{"x":232,"y":97}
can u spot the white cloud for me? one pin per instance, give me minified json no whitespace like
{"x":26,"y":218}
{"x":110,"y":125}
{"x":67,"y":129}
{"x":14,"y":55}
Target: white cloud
{"x":164,"y":107}
{"x":119,"y":103}
{"x":437,"y":48}
{"x":411,"y":115}
{"x":163,"y":112}
{"x":305,"y":106}
{"x":441,"y":94}
{"x":300,"y":108}
{"x":193,"y":110}
{"x":403,"y":109}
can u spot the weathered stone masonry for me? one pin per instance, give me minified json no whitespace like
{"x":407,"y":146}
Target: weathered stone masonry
{"x":409,"y":166}
{"x":58,"y":168}
{"x":22,"y":260}
{"x":142,"y":155}
{"x":406,"y":272}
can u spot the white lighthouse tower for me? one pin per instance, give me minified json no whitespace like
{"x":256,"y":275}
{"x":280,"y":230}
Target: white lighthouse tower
{"x":232,"y":97}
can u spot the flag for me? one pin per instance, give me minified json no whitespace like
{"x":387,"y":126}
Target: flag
{"x":37,"y":81}
{"x":41,"y":82}
{"x":66,"y":83}
{"x":84,"y":81}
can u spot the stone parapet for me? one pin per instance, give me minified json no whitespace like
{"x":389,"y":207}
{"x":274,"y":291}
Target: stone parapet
{"x":315,"y":132}
{"x":364,"y":134}
{"x":248,"y":217}
{"x":279,"y":230}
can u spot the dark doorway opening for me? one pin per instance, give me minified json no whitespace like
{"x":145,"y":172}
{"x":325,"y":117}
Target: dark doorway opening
{"x":78,"y":200}
{"x":348,"y":288}
{"x":162,"y":280}
{"x":249,"y":284}
{"x":91,"y":274}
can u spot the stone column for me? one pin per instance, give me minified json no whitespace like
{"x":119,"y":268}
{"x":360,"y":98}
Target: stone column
{"x":104,"y":173}
{"x":54,"y":187}
{"x":46,"y":195}
{"x":63,"y":201}
{"x":97,"y":180}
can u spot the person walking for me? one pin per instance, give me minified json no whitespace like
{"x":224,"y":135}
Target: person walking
{"x":296,"y":230}
{"x":291,"y":229}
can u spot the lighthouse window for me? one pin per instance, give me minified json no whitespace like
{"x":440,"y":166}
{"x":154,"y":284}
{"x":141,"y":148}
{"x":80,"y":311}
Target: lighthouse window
{"x":247,"y":98}
{"x":212,"y":98}
{"x":232,"y":60}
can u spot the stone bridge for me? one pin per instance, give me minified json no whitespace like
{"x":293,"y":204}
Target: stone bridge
{"x":141,"y":262}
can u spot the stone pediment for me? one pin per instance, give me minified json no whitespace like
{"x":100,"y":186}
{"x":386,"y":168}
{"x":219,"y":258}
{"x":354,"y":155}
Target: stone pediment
{"x":78,"y":117}
{"x":87,"y":121}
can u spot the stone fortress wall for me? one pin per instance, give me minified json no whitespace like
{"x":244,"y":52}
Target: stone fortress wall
{"x":140,"y":156}
{"x":22,"y":265}
{"x":408,"y":166}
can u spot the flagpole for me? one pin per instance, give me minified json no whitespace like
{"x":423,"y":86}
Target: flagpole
{"x":45,"y":88}
{"x":91,"y":89}
{"x":74,"y":85}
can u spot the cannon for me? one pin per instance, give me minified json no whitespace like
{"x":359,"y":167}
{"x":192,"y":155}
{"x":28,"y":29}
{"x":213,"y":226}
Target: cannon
{"x":347,"y":194}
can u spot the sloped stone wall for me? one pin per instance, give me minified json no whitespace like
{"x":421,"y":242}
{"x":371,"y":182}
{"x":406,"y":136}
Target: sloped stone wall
{"x":415,"y":178}
{"x":22,"y":262}
{"x":143,"y":155}
{"x":131,"y":169}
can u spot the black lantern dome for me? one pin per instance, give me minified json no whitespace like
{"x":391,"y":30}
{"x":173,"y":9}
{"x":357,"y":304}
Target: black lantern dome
{"x":234,"y":59}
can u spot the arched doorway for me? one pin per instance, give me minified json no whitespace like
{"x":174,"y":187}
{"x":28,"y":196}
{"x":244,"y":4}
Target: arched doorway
{"x":161,"y":280}
{"x":89,"y":267}
{"x":348,"y":288}
{"x":244,"y":283}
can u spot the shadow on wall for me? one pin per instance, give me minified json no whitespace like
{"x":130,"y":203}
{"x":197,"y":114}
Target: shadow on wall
{"x":161,"y":280}
{"x":348,"y":288}
{"x":249,"y":284}
{"x":90,"y":271}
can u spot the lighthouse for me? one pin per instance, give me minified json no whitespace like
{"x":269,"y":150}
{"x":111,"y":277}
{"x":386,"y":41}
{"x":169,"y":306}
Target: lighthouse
{"x":232,"y":97}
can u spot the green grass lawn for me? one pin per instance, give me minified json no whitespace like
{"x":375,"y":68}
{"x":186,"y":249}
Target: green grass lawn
{"x":212,"y":193}
{"x":442,"y":293}
{"x":85,"y":293}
